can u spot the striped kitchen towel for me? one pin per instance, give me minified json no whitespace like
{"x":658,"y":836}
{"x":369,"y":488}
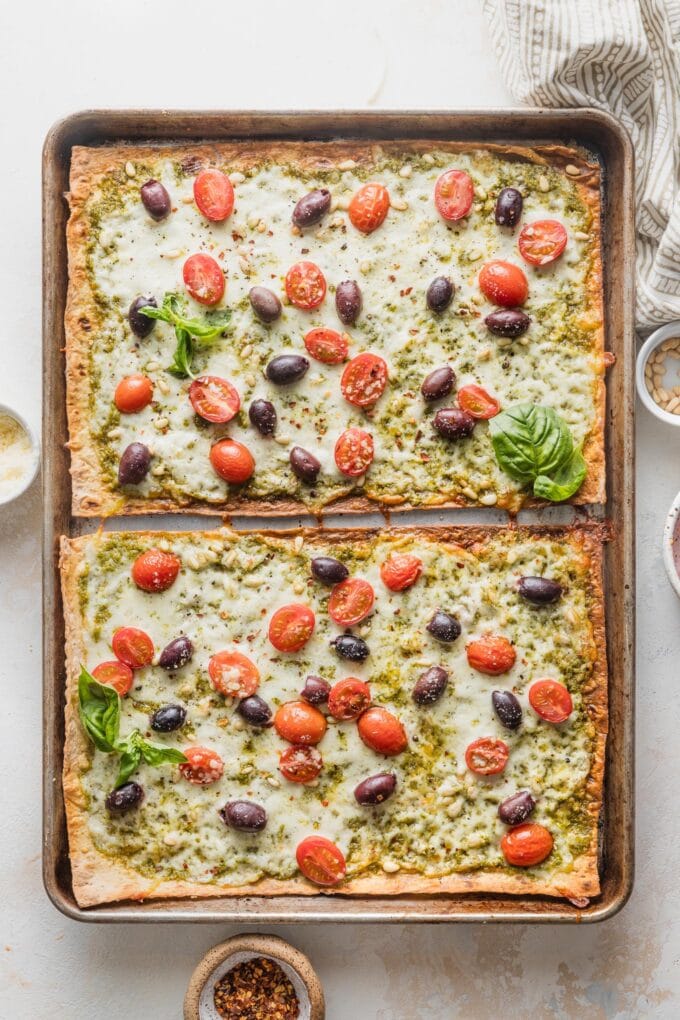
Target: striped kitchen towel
{"x":622,"y":56}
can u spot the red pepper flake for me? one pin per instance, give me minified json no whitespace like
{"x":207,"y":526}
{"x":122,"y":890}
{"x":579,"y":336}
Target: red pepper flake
{"x":405,"y":292}
{"x":391,"y":278}
{"x":256,"y":989}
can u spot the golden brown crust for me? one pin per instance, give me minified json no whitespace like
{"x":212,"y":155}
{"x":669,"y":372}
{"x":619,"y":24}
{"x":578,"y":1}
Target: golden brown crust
{"x":91,"y":497}
{"x":97,"y":879}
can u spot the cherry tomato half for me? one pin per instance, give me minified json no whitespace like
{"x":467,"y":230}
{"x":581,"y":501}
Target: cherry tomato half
{"x":132,"y":646}
{"x":232,"y":461}
{"x":542,"y":242}
{"x":300,"y":764}
{"x":453,"y":195}
{"x":202,"y":767}
{"x":364,"y":380}
{"x":354,"y":452}
{"x":369,"y":207}
{"x":492,"y":655}
{"x":327,"y":345}
{"x":204,"y":279}
{"x":291,"y":627}
{"x":233,"y":674}
{"x":527,"y":844}
{"x":351,"y":601}
{"x":477,"y":402}
{"x":114,"y":674}
{"x":155,"y":570}
{"x":133,"y":393}
{"x":300,"y":723}
{"x":487,"y":756}
{"x":214,"y":399}
{"x":551,"y":700}
{"x":348,"y":698}
{"x":400,"y":571}
{"x":214,"y":195}
{"x":503,"y":283}
{"x":305,"y":285}
{"x":382,"y":731}
{"x":321,"y":861}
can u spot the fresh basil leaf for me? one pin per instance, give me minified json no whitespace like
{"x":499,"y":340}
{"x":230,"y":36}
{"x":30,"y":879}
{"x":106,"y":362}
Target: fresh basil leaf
{"x":530,"y":440}
{"x":130,"y":757}
{"x":158,"y":754}
{"x":183,"y":356}
{"x":564,"y":482}
{"x":99,"y":711}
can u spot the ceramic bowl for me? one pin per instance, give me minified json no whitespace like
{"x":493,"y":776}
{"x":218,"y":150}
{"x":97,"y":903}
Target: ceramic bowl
{"x":32,"y":467}
{"x":671,"y":538}
{"x":671,"y":329}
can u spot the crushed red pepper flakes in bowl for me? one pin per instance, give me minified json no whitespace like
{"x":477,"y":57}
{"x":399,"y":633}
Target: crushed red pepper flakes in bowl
{"x":256,"y":989}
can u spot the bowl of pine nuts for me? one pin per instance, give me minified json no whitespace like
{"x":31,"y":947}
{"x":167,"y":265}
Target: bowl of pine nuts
{"x":658,"y":373}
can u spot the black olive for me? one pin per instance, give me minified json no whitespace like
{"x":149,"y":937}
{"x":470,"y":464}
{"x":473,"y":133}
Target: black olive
{"x":156,"y":199}
{"x":375,"y":789}
{"x":507,"y":708}
{"x":129,"y":795}
{"x":348,"y":301}
{"x":510,"y":322}
{"x":176,"y":654}
{"x":316,"y":690}
{"x":255,"y":710}
{"x":329,"y":570}
{"x":312,"y":207}
{"x":444,"y":627}
{"x":244,"y":815}
{"x":134,"y":464}
{"x":430,"y":685}
{"x":304,"y":465}
{"x":439,"y":294}
{"x":265,"y":304}
{"x":438,"y":383}
{"x":262,"y":414}
{"x":168,"y":718}
{"x":286,"y":368}
{"x":539,"y":590}
{"x":349,"y":646}
{"x":509,"y":207}
{"x":453,"y":423}
{"x":517,"y":808}
{"x":140,"y":324}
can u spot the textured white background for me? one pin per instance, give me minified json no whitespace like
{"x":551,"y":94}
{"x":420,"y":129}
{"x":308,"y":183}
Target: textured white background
{"x":58,"y":58}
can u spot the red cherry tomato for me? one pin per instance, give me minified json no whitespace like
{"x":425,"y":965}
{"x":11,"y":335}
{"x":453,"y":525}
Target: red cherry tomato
{"x":321,"y":861}
{"x":233,"y":674}
{"x":491,"y":655}
{"x":204,"y":279}
{"x":364,"y":380}
{"x":300,"y":723}
{"x":155,"y":570}
{"x":349,"y":698}
{"x":453,"y":195}
{"x":351,"y":601}
{"x":487,"y":756}
{"x":305,"y":285}
{"x":214,"y":195}
{"x":503,"y":283}
{"x":477,"y":402}
{"x":551,"y":700}
{"x":369,"y":207}
{"x":133,"y":393}
{"x":232,"y":461}
{"x":214,"y":399}
{"x":291,"y":627}
{"x":202,"y":767}
{"x":526,"y":845}
{"x":400,"y":571}
{"x":382,"y":731}
{"x":542,"y":242}
{"x":300,"y":764}
{"x":132,"y":646}
{"x":114,"y":674}
{"x":354,"y":452}
{"x":327,"y":345}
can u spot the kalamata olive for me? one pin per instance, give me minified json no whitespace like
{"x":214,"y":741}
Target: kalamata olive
{"x":349,"y":646}
{"x":134,"y":464}
{"x":539,"y":590}
{"x":168,"y":718}
{"x":508,"y":207}
{"x":316,"y":690}
{"x":439,"y":383}
{"x":244,"y":815}
{"x":329,"y":570}
{"x":348,"y":302}
{"x":255,"y":710}
{"x":430,"y":685}
{"x":129,"y":795}
{"x":156,"y":199}
{"x":443,"y":626}
{"x":140,"y":324}
{"x":304,"y":465}
{"x":312,"y":208}
{"x":517,"y":808}
{"x":453,"y":423}
{"x":176,"y":654}
{"x":375,"y":789}
{"x":265,"y":304}
{"x":509,"y":322}
{"x":286,"y":368}
{"x":262,"y":414}
{"x":439,"y":294}
{"x":507,"y":708}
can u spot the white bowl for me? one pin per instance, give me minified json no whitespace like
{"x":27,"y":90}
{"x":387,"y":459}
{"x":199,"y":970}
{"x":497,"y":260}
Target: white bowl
{"x":34,"y":455}
{"x":668,"y":536}
{"x":671,"y":329}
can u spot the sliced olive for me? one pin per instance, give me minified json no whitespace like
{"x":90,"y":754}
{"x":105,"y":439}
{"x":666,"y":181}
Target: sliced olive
{"x":453,"y":423}
{"x":304,"y":465}
{"x":329,"y":570}
{"x":375,"y":789}
{"x":509,"y":207}
{"x":438,"y":383}
{"x":348,"y":301}
{"x":517,"y":808}
{"x":444,"y":627}
{"x":539,"y":590}
{"x":134,"y":464}
{"x":312,"y":207}
{"x":349,"y":646}
{"x":176,"y":654}
{"x":430,"y":685}
{"x":244,"y":815}
{"x":265,"y":304}
{"x":439,"y":294}
{"x":285,"y":369}
{"x":124,"y":798}
{"x":507,"y":708}
{"x":156,"y":199}
{"x":316,"y":690}
{"x":168,"y":718}
{"x":262,"y":414}
{"x":509,"y":322}
{"x":140,"y":324}
{"x":255,"y":710}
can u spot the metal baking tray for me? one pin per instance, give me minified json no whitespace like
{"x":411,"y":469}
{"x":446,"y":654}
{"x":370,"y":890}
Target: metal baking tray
{"x":605,"y":137}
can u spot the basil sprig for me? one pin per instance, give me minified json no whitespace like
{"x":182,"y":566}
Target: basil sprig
{"x":533,"y":444}
{"x":99,"y":710}
{"x":188,"y":331}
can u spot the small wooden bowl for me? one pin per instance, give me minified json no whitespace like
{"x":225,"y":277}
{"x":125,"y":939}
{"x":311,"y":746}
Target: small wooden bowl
{"x":199,"y":1002}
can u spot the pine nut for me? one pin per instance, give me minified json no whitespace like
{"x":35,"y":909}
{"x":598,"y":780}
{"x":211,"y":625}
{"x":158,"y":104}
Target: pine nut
{"x":400,"y":204}
{"x":672,"y":404}
{"x":572,"y":170}
{"x":429,"y":159}
{"x":406,"y":171}
{"x":543,"y":183}
{"x":237,"y":177}
{"x":347,"y":164}
{"x":130,"y":169}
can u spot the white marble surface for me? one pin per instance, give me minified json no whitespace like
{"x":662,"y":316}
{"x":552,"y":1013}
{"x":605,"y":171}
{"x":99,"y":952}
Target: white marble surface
{"x":58,"y":58}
